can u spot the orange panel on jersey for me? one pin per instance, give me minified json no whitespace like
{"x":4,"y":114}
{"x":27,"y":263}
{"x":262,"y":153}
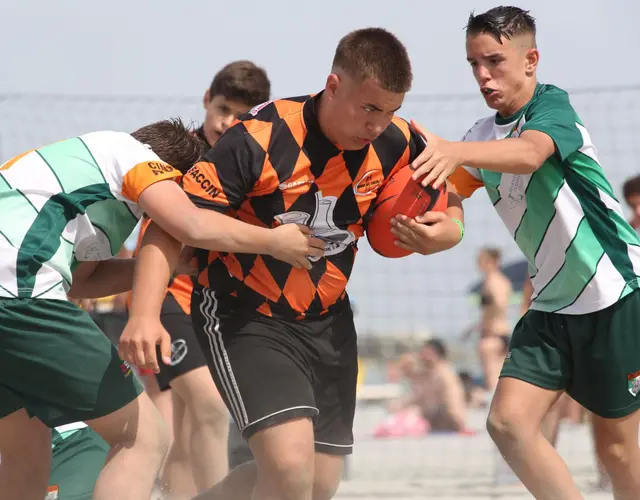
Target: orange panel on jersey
{"x":331,"y":286}
{"x":299,"y":289}
{"x":261,"y":281}
{"x":464,"y":183}
{"x":13,"y":160}
{"x":144,"y":175}
{"x":335,"y":178}
{"x":202,"y":181}
{"x":268,"y":180}
{"x":260,"y":131}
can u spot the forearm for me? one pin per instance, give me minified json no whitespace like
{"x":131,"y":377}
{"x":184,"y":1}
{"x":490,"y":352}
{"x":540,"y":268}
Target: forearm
{"x":214,"y":231}
{"x":453,"y":233}
{"x":110,"y":277}
{"x":512,"y":156}
{"x":158,"y":256}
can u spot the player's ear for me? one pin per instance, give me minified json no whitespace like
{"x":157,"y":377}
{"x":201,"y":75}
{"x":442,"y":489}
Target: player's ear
{"x":330,"y":88}
{"x":206,"y":99}
{"x":532,"y":58}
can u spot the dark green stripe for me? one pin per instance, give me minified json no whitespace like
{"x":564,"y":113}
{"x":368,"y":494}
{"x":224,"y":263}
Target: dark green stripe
{"x":603,"y":226}
{"x":38,"y":246}
{"x":52,"y":170}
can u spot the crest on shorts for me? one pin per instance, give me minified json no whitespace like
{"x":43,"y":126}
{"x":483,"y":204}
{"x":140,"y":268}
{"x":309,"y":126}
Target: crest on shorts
{"x":53,"y":493}
{"x":633,"y":383}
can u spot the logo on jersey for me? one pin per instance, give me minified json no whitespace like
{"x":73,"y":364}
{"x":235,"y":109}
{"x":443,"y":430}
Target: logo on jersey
{"x":179,"y":351}
{"x":290,"y":185}
{"x":322,"y":224}
{"x":369,"y":183}
{"x":256,"y":109}
{"x":633,"y":383}
{"x":205,"y":184}
{"x":159,"y":168}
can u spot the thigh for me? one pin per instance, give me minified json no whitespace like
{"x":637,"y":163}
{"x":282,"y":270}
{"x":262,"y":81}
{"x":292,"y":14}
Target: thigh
{"x":262,"y":376}
{"x":606,"y":347}
{"x":539,"y":352}
{"x":58,"y":363}
{"x":335,"y":372}
{"x":186,"y":354}
{"x":78,"y":458}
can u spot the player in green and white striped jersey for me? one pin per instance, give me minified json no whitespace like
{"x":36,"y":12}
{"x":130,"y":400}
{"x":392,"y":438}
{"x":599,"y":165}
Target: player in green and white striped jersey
{"x":536,"y":160}
{"x":66,"y":210}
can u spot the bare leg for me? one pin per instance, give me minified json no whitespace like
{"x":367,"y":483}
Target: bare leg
{"x":617,"y":447}
{"x":25,"y":446}
{"x":177,"y":476}
{"x":139,"y":440}
{"x":208,"y":421}
{"x":516,"y":413}
{"x":283,"y":469}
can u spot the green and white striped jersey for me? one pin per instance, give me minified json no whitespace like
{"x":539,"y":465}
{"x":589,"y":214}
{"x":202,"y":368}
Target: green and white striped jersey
{"x":583,"y":255}
{"x":72,"y":201}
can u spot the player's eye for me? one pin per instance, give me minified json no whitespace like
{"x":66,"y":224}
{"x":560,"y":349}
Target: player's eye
{"x":473,"y":64}
{"x":368,"y":109}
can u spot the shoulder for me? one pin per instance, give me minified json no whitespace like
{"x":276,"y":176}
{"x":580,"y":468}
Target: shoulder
{"x":550,"y":98}
{"x":397,"y":134}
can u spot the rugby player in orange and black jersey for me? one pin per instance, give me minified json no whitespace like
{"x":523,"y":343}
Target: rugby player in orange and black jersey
{"x":273,"y":329}
{"x":280,"y":340}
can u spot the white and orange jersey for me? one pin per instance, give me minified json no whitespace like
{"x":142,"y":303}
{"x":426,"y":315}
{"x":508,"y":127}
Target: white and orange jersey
{"x":72,"y":201}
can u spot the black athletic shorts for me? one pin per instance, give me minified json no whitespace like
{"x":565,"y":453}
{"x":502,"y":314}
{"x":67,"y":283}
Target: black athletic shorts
{"x":271,"y":370}
{"x":186,"y":354}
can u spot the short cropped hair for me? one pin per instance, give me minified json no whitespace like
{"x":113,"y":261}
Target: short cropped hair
{"x":241,"y":81}
{"x":378,"y":54}
{"x":502,"y":22}
{"x":631,"y":187}
{"x":175,"y":143}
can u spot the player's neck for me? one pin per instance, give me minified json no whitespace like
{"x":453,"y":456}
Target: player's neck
{"x":520,"y":100}
{"x":324,"y":119}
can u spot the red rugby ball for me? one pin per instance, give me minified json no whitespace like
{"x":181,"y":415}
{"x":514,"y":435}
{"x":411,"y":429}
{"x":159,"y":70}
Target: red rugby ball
{"x":401,"y":195}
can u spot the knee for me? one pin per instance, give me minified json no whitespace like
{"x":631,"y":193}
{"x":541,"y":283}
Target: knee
{"x":503,"y":425}
{"x":614,"y":455}
{"x":211,"y":416}
{"x":291,"y":474}
{"x":325,"y":487}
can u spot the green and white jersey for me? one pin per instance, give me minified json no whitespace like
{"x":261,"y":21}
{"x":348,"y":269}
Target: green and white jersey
{"x":583,"y":255}
{"x":72,"y":201}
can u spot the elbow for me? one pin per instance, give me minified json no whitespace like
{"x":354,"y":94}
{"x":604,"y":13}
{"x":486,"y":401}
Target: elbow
{"x":533,"y":160}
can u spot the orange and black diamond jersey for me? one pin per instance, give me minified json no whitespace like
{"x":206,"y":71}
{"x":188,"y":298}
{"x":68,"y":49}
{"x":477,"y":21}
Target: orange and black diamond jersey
{"x":275,"y":166}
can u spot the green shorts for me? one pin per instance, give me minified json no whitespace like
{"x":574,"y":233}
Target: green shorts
{"x":595,"y":357}
{"x":57,"y":364}
{"x":77,"y":459}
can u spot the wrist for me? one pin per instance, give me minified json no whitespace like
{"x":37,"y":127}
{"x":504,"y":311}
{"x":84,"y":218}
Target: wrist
{"x":459,"y":229}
